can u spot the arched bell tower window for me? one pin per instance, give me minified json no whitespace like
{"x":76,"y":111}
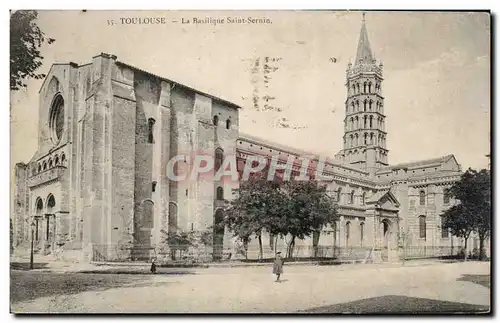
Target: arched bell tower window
{"x":370,"y":87}
{"x":151,"y":125}
{"x":228,"y":124}
{"x":364,"y":87}
{"x":216,"y":120}
{"x":56,"y":118}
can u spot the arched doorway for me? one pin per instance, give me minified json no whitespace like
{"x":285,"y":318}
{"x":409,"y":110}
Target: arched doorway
{"x":37,"y":219}
{"x":386,"y":238}
{"x":218,"y":234}
{"x":49,"y":218}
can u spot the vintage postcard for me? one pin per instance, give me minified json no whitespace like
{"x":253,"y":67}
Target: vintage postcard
{"x":250,"y":162}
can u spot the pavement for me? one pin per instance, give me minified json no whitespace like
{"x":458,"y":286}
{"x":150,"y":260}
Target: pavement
{"x":49,"y":264}
{"x":435,"y":287}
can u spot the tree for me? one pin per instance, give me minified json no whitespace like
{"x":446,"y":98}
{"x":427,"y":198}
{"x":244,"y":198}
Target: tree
{"x":308,"y":209}
{"x":178,"y":241}
{"x":292,"y":208}
{"x":473,"y":211}
{"x":247,"y":214}
{"x":26,"y":38}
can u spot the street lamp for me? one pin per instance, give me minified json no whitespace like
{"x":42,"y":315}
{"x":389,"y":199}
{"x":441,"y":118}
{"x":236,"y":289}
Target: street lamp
{"x":32,"y":242}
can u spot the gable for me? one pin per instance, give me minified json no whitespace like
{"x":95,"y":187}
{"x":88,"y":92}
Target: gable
{"x":451,"y":164}
{"x":386,"y":200}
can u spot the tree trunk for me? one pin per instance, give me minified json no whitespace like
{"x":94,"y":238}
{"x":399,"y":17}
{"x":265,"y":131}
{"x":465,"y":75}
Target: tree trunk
{"x":275,"y":244}
{"x":465,"y":247}
{"x":482,"y":252}
{"x":290,"y":248}
{"x":261,"y":252}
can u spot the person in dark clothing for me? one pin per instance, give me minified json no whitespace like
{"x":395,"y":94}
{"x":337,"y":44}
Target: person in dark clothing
{"x":278,"y":266}
{"x":153,"y":266}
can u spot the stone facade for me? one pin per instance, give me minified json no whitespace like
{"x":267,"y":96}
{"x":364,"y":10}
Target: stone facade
{"x":96,"y":189}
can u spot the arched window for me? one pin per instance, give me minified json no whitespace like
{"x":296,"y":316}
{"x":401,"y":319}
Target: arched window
{"x":364,"y":105}
{"x":371,"y":122}
{"x":370,"y":105}
{"x":364,"y":122}
{"x":339,"y":194}
{"x":63,"y":158}
{"x":219,"y":157}
{"x":57,"y":160}
{"x":356,"y":122}
{"x":228,"y":124}
{"x":351,"y":197}
{"x":446,"y":196}
{"x":351,"y":123}
{"x":151,"y":124}
{"x":216,"y":120}
{"x":220,"y":193}
{"x":364,"y":87}
{"x":153,"y":186}
{"x":422,"y":197}
{"x":357,"y":105}
{"x":51,"y":163}
{"x":366,"y":138}
{"x":347,"y":233}
{"x":422,"y":228}
{"x":351,"y":141}
{"x":39,"y":168}
{"x":371,"y":138}
{"x":370,"y":87}
{"x":44,"y":165}
{"x":352,"y":106}
{"x":172,"y":217}
{"x":444,"y":231}
{"x":363,"y":198}
{"x":361,"y":232}
{"x":356,"y":139}
{"x":357,"y":85}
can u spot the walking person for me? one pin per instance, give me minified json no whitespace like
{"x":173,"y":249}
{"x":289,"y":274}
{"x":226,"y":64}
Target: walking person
{"x":278,"y":266}
{"x":153,"y":266}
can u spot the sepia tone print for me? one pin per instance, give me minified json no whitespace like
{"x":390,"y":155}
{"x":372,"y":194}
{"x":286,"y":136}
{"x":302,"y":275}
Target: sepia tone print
{"x":240,"y":162}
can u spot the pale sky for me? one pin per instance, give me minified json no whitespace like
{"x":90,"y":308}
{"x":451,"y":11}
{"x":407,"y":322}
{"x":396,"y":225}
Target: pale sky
{"x":436,"y":70}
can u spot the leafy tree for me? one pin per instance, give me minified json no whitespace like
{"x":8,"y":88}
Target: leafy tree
{"x":473,"y":211}
{"x":247,"y":214}
{"x":292,"y":208}
{"x":26,"y":38}
{"x":309,"y":208}
{"x":178,"y":241}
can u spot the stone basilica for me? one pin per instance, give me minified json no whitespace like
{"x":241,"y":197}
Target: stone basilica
{"x":96,"y":187}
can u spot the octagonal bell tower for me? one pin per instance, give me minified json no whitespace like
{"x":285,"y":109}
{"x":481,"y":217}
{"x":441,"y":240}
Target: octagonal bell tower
{"x":364,"y":122}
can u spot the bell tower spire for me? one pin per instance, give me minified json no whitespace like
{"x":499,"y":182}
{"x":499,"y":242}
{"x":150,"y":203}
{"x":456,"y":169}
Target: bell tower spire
{"x":364,"y":53}
{"x":364,"y":122}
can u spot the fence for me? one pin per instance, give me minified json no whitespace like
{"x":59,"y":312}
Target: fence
{"x":110,"y":253}
{"x":418,"y":252}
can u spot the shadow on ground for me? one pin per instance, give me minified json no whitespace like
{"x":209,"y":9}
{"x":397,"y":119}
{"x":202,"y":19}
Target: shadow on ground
{"x":393,"y":304}
{"x":30,"y":285}
{"x":483,"y":280}
{"x":26,"y":265}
